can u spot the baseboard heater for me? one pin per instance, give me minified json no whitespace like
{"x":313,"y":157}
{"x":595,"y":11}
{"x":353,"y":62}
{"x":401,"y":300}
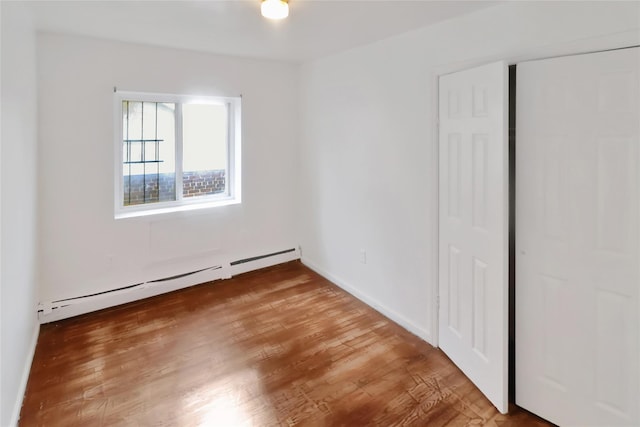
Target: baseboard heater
{"x":74,"y":306}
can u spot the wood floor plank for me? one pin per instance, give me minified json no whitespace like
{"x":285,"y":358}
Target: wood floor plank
{"x":277,"y":347}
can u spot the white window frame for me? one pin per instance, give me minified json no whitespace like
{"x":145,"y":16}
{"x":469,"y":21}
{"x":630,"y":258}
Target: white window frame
{"x":232,"y":194}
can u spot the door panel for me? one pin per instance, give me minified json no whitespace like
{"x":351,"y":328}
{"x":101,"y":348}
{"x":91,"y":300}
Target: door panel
{"x":474,"y":226}
{"x":577,"y":238}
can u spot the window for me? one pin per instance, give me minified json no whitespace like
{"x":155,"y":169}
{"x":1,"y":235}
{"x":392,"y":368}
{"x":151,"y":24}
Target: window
{"x":176,"y":153}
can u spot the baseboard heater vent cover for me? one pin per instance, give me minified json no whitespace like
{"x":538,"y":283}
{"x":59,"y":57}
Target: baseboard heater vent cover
{"x":74,"y":306}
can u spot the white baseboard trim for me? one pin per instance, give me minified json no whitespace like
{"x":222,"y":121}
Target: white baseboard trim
{"x":52,"y":312}
{"x":26,"y":369}
{"x":371,"y":302}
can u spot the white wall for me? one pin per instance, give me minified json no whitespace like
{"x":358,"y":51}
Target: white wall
{"x":84,"y":250}
{"x":368,"y":141}
{"x":18,"y":252}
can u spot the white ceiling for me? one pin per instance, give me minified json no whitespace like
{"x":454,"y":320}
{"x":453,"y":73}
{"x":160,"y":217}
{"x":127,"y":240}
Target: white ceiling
{"x":315,"y":28}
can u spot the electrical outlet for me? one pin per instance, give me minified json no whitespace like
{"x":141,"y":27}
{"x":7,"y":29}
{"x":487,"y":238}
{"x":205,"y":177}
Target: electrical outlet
{"x":363,"y":256}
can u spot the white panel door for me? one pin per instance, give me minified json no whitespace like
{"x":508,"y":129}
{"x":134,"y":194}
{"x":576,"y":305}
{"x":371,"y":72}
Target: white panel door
{"x":577,"y":238}
{"x":473,"y":212}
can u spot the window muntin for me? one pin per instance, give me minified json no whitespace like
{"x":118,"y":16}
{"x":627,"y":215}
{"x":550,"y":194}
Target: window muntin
{"x":176,"y":153}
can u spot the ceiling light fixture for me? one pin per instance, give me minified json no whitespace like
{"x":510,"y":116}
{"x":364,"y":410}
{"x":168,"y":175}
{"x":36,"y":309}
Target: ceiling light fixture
{"x":275,"y":9}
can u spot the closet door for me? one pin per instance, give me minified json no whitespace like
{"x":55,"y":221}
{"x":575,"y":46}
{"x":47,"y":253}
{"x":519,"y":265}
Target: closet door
{"x":473,"y":189}
{"x":577,"y":238}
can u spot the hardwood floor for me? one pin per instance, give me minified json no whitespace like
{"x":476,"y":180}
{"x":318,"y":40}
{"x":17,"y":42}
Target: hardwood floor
{"x":280,"y":346}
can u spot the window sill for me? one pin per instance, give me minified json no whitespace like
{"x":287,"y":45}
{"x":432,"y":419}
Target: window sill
{"x":137,"y":213}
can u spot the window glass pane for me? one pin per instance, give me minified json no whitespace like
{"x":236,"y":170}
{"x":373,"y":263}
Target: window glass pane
{"x":204,"y":149}
{"x":148,"y":152}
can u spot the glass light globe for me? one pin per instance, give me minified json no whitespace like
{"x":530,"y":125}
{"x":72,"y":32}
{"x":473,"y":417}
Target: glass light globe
{"x":274,"y":9}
